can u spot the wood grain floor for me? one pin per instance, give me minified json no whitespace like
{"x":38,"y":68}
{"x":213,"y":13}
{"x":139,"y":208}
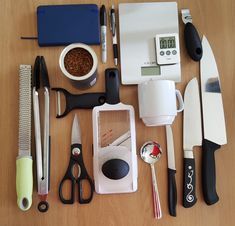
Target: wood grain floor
{"x":215,"y":19}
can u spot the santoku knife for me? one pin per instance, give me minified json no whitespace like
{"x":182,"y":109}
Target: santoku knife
{"x":214,"y":130}
{"x":192,"y":136}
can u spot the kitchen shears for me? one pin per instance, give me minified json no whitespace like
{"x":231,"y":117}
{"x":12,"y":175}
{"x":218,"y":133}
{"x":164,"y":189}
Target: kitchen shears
{"x":82,"y":177}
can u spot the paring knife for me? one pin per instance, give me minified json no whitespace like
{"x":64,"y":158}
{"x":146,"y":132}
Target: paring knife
{"x":172,"y":190}
{"x":214,"y":130}
{"x":192,"y":136}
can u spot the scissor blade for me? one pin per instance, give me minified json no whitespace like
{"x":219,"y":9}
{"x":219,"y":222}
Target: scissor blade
{"x":76,"y":132}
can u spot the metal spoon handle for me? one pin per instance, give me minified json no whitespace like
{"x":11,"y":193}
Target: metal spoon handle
{"x":156,"y":199}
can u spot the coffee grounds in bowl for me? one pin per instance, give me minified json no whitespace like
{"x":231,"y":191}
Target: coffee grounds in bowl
{"x":78,"y":62}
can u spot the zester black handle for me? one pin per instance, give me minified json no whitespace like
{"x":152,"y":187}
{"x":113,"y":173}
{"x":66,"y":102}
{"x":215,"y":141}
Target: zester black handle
{"x":172,"y":192}
{"x":192,"y":42}
{"x":112,"y":86}
{"x":209,"y":172}
{"x":189,"y":194}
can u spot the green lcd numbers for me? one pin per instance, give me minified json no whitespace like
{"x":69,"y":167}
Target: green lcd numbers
{"x":167,"y":43}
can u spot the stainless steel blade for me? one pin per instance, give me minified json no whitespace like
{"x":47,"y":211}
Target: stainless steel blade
{"x":25,"y":104}
{"x":46,"y":145}
{"x":76,"y":131}
{"x":212,"y":104}
{"x":192,"y":130}
{"x":170,"y":148}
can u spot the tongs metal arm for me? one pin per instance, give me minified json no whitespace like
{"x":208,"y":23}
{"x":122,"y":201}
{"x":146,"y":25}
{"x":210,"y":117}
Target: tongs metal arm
{"x":46,"y":141}
{"x":37,"y":134}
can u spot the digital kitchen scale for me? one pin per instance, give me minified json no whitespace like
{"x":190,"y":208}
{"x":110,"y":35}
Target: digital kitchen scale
{"x":149,"y":42}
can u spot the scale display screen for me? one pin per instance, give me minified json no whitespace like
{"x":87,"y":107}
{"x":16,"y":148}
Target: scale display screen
{"x":150,"y":71}
{"x":167,"y":42}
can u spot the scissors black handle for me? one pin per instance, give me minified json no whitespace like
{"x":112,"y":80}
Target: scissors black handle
{"x":82,"y":200}
{"x":76,"y":159}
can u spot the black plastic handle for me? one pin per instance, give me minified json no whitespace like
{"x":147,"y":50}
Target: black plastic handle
{"x":40,"y":72}
{"x":172,"y":192}
{"x":192,"y":42}
{"x":209,"y":172}
{"x":189,"y":193}
{"x":76,"y":159}
{"x":81,"y":199}
{"x":44,"y":73}
{"x":112,"y":86}
{"x":70,"y":200}
{"x":36,"y":73}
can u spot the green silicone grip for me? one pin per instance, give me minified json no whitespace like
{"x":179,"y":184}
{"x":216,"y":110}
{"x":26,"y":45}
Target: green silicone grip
{"x":24,"y":182}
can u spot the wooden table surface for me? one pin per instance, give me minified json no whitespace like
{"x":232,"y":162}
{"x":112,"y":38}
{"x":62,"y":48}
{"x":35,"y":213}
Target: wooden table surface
{"x":215,"y":19}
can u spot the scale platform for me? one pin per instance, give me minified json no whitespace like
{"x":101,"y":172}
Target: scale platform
{"x":144,"y":29}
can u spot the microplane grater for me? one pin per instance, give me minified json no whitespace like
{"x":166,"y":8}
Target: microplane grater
{"x":25,"y":108}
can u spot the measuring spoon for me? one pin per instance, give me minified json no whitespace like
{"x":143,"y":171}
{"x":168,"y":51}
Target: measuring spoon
{"x":151,"y":152}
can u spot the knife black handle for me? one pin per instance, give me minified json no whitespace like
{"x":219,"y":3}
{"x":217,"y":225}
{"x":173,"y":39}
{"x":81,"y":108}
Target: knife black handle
{"x":189,"y":196}
{"x":209,"y":172}
{"x":192,"y":42}
{"x":172,"y":192}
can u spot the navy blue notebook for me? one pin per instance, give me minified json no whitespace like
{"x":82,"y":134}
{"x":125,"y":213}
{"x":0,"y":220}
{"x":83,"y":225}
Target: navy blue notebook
{"x":66,"y":24}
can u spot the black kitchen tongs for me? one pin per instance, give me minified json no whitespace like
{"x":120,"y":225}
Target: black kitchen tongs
{"x":42,"y":148}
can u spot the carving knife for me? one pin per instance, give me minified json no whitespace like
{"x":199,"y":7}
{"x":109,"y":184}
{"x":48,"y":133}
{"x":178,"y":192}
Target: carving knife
{"x":172,"y":190}
{"x":214,"y":130}
{"x":192,"y":136}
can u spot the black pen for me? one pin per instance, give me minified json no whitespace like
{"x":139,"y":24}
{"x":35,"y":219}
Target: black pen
{"x":114,"y":34}
{"x":103,"y":29}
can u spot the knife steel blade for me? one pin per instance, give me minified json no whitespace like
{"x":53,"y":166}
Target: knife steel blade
{"x":192,"y":136}
{"x":213,"y":121}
